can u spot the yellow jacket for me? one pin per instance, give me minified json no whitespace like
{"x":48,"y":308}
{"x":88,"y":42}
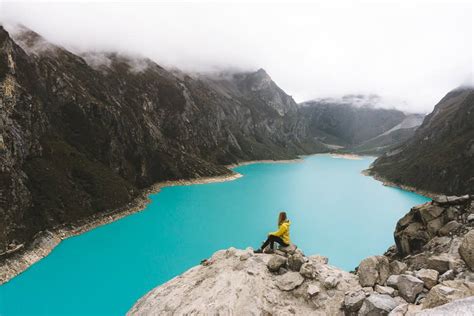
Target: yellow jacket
{"x":283,"y":232}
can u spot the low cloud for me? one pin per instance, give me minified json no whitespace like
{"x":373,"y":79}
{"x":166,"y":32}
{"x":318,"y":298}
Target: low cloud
{"x":415,"y":51}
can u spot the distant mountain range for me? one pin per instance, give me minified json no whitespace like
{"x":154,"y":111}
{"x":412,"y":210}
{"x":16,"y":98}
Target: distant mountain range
{"x":84,"y":134}
{"x":358,"y":126}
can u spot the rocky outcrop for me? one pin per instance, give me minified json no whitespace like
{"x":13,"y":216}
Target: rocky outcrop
{"x":429,"y":266}
{"x":439,"y":158}
{"x":428,"y":223}
{"x":237,"y":282}
{"x":403,"y":282}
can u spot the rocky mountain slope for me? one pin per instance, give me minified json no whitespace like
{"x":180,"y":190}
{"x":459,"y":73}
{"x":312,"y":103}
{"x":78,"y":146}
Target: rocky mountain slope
{"x":440,"y":156}
{"x":430,"y":271}
{"x":356,"y":124}
{"x":82,"y":135}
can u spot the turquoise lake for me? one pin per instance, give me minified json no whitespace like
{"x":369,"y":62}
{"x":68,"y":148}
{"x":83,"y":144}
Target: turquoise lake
{"x":334,"y":209}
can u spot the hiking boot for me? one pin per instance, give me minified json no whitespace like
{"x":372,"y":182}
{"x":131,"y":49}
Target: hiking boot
{"x":258,"y":251}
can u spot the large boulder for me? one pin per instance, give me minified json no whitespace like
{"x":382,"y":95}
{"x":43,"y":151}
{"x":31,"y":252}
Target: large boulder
{"x":448,"y":291}
{"x":378,"y":304}
{"x":442,"y":262}
{"x":466,"y":249}
{"x":289,"y":281}
{"x":428,"y":276}
{"x":429,"y":212}
{"x":411,"y":239}
{"x":353,"y":301}
{"x":275,"y":263}
{"x":384,"y":290}
{"x":295,"y":261}
{"x":458,"y":307}
{"x":409,"y":287}
{"x":397,"y":267}
{"x":449,"y":228}
{"x":373,"y":270}
{"x":393,"y":280}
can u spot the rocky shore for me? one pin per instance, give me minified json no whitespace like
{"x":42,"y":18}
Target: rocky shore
{"x":20,"y":258}
{"x":429,"y":271}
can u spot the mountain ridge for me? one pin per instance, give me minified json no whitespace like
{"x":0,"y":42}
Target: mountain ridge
{"x":440,"y":156}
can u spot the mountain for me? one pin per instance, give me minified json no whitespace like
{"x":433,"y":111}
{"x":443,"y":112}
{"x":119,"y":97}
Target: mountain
{"x":440,"y":156}
{"x":357,"y":124}
{"x":85,"y":134}
{"x":81,"y":135}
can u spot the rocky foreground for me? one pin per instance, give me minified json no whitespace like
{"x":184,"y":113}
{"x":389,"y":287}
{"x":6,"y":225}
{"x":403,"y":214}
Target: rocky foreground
{"x":428,"y":272}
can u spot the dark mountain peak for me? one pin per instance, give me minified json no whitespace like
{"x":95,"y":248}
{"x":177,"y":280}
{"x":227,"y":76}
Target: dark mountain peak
{"x":3,"y":34}
{"x":440,"y":156}
{"x":30,"y":41}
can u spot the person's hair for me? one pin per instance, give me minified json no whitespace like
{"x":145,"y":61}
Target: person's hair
{"x":281,"y":218}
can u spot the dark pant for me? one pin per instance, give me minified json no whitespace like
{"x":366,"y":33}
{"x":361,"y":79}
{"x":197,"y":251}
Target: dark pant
{"x":271,"y":240}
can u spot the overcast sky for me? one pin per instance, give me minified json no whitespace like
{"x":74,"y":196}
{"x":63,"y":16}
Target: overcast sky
{"x":409,"y":50}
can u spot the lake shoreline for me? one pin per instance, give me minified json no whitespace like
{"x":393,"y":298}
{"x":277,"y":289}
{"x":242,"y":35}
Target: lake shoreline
{"x":388,"y":183}
{"x":44,"y":242}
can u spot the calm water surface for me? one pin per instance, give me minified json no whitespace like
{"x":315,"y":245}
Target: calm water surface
{"x":335,"y":211}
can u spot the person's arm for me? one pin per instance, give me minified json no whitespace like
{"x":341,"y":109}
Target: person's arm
{"x":281,"y":230}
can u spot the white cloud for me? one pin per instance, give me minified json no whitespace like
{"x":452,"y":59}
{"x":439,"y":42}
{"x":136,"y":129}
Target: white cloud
{"x":411,"y":50}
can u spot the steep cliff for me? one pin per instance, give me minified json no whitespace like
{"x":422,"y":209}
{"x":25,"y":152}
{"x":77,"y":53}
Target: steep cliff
{"x":440,"y":156}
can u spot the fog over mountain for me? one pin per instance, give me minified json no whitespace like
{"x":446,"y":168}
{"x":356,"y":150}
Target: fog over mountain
{"x":413,"y":51}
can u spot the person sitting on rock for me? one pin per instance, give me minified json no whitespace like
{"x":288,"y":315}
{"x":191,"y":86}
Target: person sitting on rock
{"x":281,"y":236}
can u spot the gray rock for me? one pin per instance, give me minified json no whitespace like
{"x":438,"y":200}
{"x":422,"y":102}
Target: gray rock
{"x":435,"y":225}
{"x":318,"y":259}
{"x":313,"y":290}
{"x":458,"y":307}
{"x":447,"y":292}
{"x":246,"y":255}
{"x":330,"y":282}
{"x":384,"y":290}
{"x":289,"y":281}
{"x":400,"y":310}
{"x":466,"y":250}
{"x":377,"y":304}
{"x":393,"y":280}
{"x":290,"y":249}
{"x":470,"y":218}
{"x":397,"y":267}
{"x":428,"y":212}
{"x":275,"y":263}
{"x":448,"y":275}
{"x":373,"y":270}
{"x":308,"y":271}
{"x":295,"y":262}
{"x":441,"y":263}
{"x":451,"y":200}
{"x":451,"y":213}
{"x":449,"y":228}
{"x":353,"y":301}
{"x":409,"y":287}
{"x":428,"y":276}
